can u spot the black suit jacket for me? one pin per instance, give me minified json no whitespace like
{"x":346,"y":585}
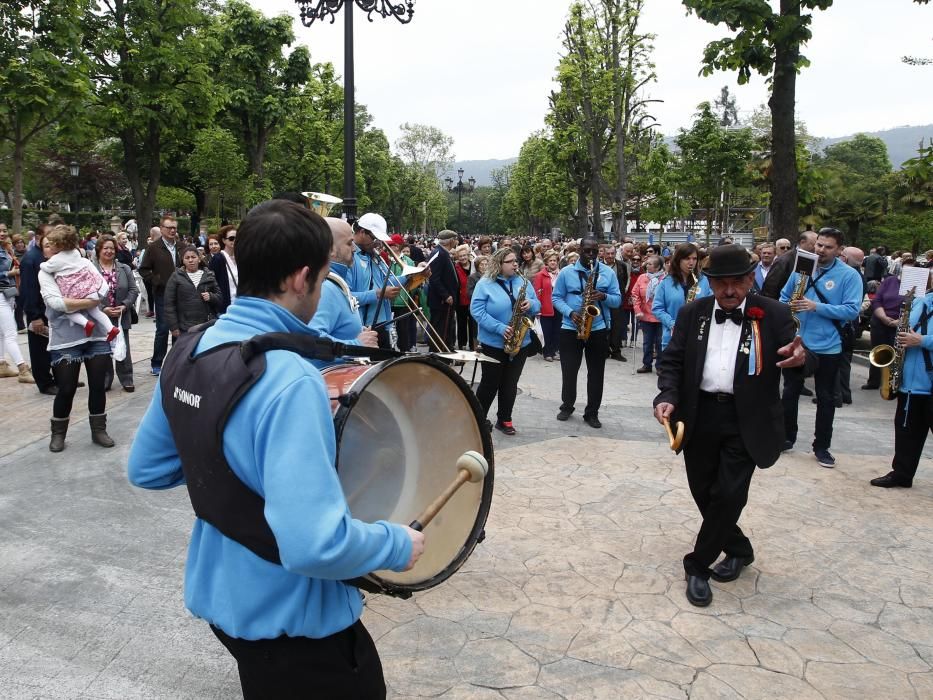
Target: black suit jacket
{"x":761,"y":416}
{"x":780,"y":272}
{"x":30,"y":298}
{"x":444,"y":281}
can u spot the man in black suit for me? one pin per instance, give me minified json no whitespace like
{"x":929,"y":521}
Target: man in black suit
{"x":443,"y":290}
{"x":720,"y":376}
{"x":31,"y":299}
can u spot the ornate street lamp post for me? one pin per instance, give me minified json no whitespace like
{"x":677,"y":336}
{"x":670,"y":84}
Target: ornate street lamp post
{"x":75,"y":170}
{"x":313,"y":10}
{"x":460,"y":188}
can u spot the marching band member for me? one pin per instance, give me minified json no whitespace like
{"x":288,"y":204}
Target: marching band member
{"x":337,"y":316}
{"x":678,"y":287}
{"x":568,"y":299}
{"x":493,"y":308}
{"x":266,"y":577}
{"x":914,"y":416}
{"x":833,"y":298}
{"x":368,"y":276}
{"x":720,"y":376}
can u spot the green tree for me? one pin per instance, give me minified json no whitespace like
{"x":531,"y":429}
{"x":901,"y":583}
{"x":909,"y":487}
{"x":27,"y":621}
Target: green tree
{"x":655,"y":182}
{"x":538,"y":196}
{"x":152,"y":82}
{"x":714,"y":161}
{"x":215,"y":164}
{"x":43,"y":76}
{"x":260,"y":81}
{"x":426,"y":146}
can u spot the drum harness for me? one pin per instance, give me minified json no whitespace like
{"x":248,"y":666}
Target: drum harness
{"x":197,"y":405}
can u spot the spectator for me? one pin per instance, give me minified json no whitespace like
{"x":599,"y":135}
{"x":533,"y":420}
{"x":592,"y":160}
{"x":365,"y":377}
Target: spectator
{"x":118,"y":305}
{"x":161,"y":260}
{"x":223,"y":265}
{"x":192,"y":295}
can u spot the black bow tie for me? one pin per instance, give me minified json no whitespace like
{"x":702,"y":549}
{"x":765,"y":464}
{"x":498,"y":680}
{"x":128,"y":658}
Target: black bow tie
{"x":735,"y":315}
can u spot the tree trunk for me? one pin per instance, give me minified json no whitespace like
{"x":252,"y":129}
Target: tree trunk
{"x":782,"y":177}
{"x":19,"y":155}
{"x":582,"y":211}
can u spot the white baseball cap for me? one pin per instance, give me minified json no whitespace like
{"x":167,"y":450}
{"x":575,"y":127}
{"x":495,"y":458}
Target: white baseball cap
{"x":374,"y":224}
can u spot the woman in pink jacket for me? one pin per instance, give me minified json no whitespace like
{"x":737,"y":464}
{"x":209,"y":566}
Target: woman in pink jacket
{"x":642,"y":297}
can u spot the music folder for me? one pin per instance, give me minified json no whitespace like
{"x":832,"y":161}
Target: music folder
{"x":805,"y":263}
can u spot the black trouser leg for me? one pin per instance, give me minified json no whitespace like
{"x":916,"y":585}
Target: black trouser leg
{"x":343,"y":666}
{"x":571,"y":355}
{"x":719,"y":472}
{"x":463,"y":327}
{"x":912,"y":421}
{"x":40,"y":360}
{"x":444,"y":320}
{"x":500,"y":378}
{"x":66,"y":377}
{"x":150,"y":297}
{"x":825,"y":380}
{"x":843,"y":391}
{"x":616,"y":329}
{"x":790,"y":398}
{"x":96,"y":369}
{"x":596,"y":351}
{"x":405,"y":341}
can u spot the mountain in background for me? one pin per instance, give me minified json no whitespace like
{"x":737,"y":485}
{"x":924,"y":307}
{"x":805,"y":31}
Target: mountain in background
{"x":902,"y":143}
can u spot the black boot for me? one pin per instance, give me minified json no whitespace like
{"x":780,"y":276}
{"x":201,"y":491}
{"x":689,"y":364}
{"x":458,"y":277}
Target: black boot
{"x":59,"y":430}
{"x":99,"y":430}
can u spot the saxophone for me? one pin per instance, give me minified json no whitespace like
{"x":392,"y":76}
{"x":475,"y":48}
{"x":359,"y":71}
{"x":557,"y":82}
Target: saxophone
{"x":519,"y":323}
{"x":802,"y":280}
{"x":693,"y":291}
{"x":588,"y":310}
{"x":891,"y":360}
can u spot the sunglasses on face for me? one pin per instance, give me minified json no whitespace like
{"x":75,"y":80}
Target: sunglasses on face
{"x":231,"y":238}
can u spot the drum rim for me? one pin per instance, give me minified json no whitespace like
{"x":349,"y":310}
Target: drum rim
{"x":342,"y":414}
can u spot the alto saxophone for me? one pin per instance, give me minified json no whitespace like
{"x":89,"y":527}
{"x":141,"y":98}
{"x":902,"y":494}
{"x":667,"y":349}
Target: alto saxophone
{"x":802,"y":280}
{"x":519,"y":323}
{"x":891,"y":360}
{"x":588,"y":310}
{"x":693,"y":291}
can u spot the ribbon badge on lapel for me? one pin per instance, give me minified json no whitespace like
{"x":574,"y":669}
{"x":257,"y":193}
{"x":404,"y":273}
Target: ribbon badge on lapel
{"x":752,"y":346}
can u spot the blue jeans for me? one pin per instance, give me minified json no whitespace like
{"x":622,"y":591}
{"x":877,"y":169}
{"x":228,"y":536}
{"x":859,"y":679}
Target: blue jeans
{"x":160,"y":343}
{"x":651,"y":342}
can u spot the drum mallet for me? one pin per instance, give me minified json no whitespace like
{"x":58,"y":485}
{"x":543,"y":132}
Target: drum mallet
{"x":471,"y":466}
{"x":675,"y":439}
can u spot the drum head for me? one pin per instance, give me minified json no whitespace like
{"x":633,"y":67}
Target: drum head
{"x":398,"y":445}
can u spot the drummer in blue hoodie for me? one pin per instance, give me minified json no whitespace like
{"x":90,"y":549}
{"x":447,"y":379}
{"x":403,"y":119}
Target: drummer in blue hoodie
{"x":273,"y":588}
{"x":832,"y":299}
{"x":913,"y":419}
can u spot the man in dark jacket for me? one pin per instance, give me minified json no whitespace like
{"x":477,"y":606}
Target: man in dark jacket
{"x":37,"y":324}
{"x":161,"y":260}
{"x":443,"y":289}
{"x":782,"y":267}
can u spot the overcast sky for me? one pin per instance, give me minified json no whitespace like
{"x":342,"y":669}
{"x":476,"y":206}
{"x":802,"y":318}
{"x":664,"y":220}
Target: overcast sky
{"x":481,"y":70}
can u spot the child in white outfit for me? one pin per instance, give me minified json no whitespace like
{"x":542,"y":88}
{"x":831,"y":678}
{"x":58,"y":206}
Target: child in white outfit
{"x":77,"y":278}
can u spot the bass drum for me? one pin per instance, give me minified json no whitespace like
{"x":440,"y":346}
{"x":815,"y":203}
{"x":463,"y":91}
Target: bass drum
{"x":401,"y":425}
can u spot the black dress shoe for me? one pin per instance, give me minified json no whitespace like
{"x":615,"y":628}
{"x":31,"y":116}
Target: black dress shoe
{"x":890,"y":480}
{"x":730,"y":568}
{"x":129,"y":388}
{"x":50,"y":390}
{"x":806,"y":392}
{"x":592,"y":421}
{"x":698,"y":591}
{"x":564,"y":413}
{"x":643,"y":370}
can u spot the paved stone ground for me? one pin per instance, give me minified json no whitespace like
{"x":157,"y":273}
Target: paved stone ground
{"x":577,"y":591}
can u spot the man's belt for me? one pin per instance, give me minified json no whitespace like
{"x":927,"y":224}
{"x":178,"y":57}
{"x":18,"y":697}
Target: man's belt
{"x":718,"y":396}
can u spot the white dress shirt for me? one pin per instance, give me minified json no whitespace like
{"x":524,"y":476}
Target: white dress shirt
{"x":721,"y":353}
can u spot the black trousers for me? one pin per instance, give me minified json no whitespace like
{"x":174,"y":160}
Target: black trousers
{"x":40,"y":360}
{"x":444,"y":320}
{"x":825,"y":380}
{"x":406,"y":339}
{"x":843,"y":390}
{"x":616,"y":330}
{"x":466,"y":328}
{"x":719,"y":472}
{"x":572,"y":352}
{"x":343,"y":666}
{"x":500,"y":378}
{"x":881,"y":334}
{"x":912,"y":421}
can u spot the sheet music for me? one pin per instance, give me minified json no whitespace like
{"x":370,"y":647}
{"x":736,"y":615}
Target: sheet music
{"x":806,"y":262}
{"x":911,"y":277}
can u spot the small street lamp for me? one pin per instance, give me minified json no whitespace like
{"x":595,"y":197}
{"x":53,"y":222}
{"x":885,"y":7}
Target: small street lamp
{"x":460,"y":188}
{"x":75,"y":170}
{"x":312,"y":10}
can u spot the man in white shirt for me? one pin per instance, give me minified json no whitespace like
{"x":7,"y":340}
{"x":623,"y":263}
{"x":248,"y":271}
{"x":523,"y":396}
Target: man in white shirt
{"x":719,"y":376}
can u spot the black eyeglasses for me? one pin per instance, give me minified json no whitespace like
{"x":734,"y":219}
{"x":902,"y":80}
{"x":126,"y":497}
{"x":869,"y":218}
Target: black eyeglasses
{"x":231,"y":238}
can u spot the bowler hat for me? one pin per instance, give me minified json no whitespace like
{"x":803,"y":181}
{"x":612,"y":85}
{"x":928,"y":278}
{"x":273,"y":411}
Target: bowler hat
{"x":729,"y":261}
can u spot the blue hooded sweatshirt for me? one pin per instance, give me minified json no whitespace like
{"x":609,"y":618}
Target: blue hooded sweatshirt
{"x":334,"y":318}
{"x":670,"y":299}
{"x":842,"y":287}
{"x":491,"y":308}
{"x":279,"y":440}
{"x":916,"y":379}
{"x":568,"y":290}
{"x":366,"y":277}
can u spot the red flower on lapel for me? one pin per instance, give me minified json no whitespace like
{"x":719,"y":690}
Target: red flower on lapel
{"x":754,"y":313}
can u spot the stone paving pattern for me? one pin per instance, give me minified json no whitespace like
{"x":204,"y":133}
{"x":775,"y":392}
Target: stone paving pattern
{"x":577,"y":591}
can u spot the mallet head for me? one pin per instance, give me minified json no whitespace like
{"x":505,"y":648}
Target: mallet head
{"x":474,"y":464}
